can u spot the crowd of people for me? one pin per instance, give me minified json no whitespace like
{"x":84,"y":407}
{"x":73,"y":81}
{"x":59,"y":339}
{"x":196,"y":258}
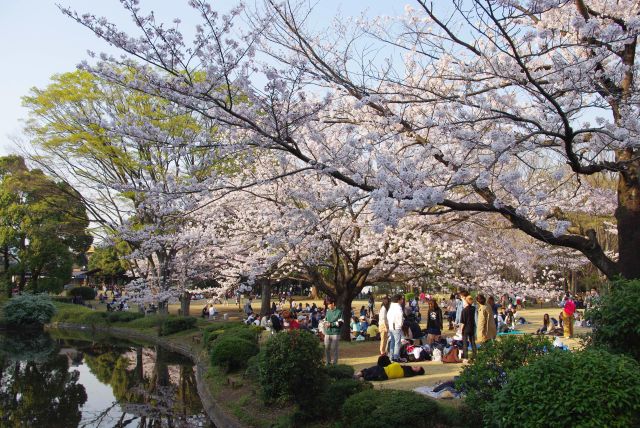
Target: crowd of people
{"x":403,"y":334}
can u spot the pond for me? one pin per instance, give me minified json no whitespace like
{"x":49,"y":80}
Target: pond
{"x":57,"y":381}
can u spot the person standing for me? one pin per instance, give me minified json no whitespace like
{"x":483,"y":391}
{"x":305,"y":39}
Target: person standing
{"x":332,"y":322}
{"x":372,"y":304}
{"x":384,"y":325}
{"x":395,"y":318}
{"x":468,"y":323}
{"x":460,"y":304}
{"x":434,"y":322}
{"x":486,"y":329}
{"x":491,"y":303}
{"x":568,"y":309}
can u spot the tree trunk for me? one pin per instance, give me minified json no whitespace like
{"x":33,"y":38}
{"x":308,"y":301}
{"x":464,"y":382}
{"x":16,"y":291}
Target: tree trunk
{"x":7,"y":274}
{"x":314,"y":293}
{"x":344,"y":301}
{"x":163,"y":307}
{"x":265,"y":302}
{"x":185,"y":303}
{"x":628,"y":217}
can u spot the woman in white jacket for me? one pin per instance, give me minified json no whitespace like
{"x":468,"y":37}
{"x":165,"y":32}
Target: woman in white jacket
{"x":394,"y":320}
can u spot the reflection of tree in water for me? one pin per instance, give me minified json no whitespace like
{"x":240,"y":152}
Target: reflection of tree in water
{"x":40,"y":394}
{"x":36,"y":347}
{"x":149,"y":389}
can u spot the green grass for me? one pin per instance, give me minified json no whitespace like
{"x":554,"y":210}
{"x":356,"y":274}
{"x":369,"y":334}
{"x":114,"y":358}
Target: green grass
{"x":70,"y":313}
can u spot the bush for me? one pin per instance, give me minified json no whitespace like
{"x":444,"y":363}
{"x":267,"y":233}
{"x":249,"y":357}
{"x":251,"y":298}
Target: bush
{"x":62,"y":299}
{"x":237,"y":330}
{"x":616,"y":320}
{"x":232,"y":353}
{"x":340,"y":371}
{"x":382,"y":408}
{"x":338,"y":391}
{"x":455,"y":414}
{"x":174,"y":325}
{"x":87,"y":293}
{"x":489,"y":372}
{"x":291,"y":362}
{"x":252,"y":368}
{"x":591,"y":388}
{"x":409,"y":297}
{"x":28,"y":309}
{"x":114,"y":317}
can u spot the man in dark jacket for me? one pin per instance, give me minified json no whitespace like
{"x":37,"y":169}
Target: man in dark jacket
{"x":468,"y":322}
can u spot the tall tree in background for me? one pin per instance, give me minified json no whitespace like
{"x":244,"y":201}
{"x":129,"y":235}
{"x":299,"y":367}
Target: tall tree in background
{"x":136,"y":160}
{"x":44,"y":227}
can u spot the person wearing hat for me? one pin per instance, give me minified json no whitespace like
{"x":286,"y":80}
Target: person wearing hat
{"x":332,"y":323}
{"x":364,"y":325}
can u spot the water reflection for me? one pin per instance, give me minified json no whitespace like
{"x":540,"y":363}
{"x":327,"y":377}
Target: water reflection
{"x":64,"y":382}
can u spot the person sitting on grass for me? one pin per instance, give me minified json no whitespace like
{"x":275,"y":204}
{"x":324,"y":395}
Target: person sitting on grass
{"x":372,"y":331}
{"x":547,"y":325}
{"x":385,"y":369}
{"x":355,"y":327}
{"x":364,"y":325}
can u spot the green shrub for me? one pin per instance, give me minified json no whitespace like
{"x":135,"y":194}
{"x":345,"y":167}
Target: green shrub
{"x":591,"y":388}
{"x":252,"y":368}
{"x":339,"y":390}
{"x":174,"y":325}
{"x":455,"y":414}
{"x":62,"y":299}
{"x":616,"y":319}
{"x":87,"y":293}
{"x":383,"y":408}
{"x":489,"y":372}
{"x":28,"y":309}
{"x":409,"y":297}
{"x":340,"y":371}
{"x":237,"y":330}
{"x":114,"y":317}
{"x":232,"y":353}
{"x":290,"y":368}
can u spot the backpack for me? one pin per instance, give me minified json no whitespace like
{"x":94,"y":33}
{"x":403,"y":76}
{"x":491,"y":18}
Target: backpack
{"x":451,"y":356}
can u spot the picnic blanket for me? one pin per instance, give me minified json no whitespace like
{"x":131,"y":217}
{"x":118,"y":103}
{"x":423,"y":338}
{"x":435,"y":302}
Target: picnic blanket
{"x":511,"y":332}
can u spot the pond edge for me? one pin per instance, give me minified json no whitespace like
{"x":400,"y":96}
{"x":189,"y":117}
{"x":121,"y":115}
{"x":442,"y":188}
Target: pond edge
{"x":219,"y":416}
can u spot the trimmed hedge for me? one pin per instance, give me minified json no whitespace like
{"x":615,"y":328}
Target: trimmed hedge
{"x":383,"y":408}
{"x":591,"y":388}
{"x":87,"y":293}
{"x":232,"y":353}
{"x":175,"y":325}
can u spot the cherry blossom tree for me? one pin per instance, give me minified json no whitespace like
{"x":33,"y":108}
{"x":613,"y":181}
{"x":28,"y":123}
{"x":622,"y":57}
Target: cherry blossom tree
{"x":487,"y":107}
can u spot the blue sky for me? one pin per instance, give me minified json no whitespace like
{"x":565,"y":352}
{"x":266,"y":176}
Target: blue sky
{"x":37,"y":41}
